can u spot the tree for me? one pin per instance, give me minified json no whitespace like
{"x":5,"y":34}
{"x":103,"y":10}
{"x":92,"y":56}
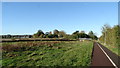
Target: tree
{"x":106,"y":31}
{"x":55,"y":35}
{"x":110,"y":35}
{"x":76,"y":32}
{"x":56,"y":32}
{"x":62,"y":34}
{"x":40,"y":33}
{"x":41,"y":36}
{"x":50,"y":36}
{"x":75,"y":35}
{"x":83,"y":35}
{"x":116,"y":35}
{"x":8,"y":36}
{"x":92,"y":35}
{"x":35,"y":35}
{"x":46,"y":34}
{"x":82,"y":32}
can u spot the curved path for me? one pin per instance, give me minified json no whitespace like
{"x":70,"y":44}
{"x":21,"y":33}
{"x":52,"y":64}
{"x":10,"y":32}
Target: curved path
{"x":103,"y":57}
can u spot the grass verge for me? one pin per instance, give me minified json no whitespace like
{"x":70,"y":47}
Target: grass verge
{"x":114,"y":49}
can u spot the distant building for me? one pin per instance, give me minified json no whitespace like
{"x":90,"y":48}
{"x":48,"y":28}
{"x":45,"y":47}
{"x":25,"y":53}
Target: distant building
{"x":83,"y":39}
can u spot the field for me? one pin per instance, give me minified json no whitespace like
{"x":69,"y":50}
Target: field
{"x":47,"y":53}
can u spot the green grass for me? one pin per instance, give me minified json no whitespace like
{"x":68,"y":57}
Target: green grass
{"x":114,"y":49}
{"x":47,"y":53}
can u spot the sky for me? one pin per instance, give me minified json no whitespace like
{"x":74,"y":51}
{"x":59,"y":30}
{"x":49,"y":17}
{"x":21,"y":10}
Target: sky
{"x":19,"y":18}
{"x":60,"y":0}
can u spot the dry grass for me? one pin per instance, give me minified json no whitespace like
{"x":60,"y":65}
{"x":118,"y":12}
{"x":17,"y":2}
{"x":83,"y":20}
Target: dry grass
{"x":22,"y":45}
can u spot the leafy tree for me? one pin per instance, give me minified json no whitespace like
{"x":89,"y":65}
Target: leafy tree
{"x":116,"y":34}
{"x":92,"y":35}
{"x":47,"y":35}
{"x":82,"y":32}
{"x":40,"y":33}
{"x":50,"y":36}
{"x":55,"y":35}
{"x":35,"y":36}
{"x":41,"y":36}
{"x":62,"y":33}
{"x":9,"y":36}
{"x":110,"y":35}
{"x":75,"y":35}
{"x":83,"y":35}
{"x":106,"y":32}
{"x":56,"y":32}
{"x":76,"y":32}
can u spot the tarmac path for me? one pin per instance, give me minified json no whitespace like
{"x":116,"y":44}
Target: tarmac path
{"x":103,"y":57}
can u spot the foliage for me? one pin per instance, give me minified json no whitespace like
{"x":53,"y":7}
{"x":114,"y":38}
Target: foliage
{"x":56,"y":32}
{"x":40,"y":33}
{"x":110,"y":36}
{"x":62,"y":34}
{"x":15,"y":36}
{"x":92,"y":35}
{"x":82,"y":34}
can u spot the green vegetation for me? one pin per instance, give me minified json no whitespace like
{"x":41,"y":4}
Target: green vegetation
{"x":55,"y":34}
{"x":113,"y":49}
{"x":62,"y":34}
{"x":111,"y":38}
{"x":47,"y":53}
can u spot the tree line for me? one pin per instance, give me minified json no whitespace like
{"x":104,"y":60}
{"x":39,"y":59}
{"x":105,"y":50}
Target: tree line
{"x":15,"y":36}
{"x":55,"y":34}
{"x":110,"y":35}
{"x":62,"y":34}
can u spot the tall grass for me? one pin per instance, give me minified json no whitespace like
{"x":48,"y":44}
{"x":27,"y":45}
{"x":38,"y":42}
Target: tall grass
{"x":52,"y":53}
